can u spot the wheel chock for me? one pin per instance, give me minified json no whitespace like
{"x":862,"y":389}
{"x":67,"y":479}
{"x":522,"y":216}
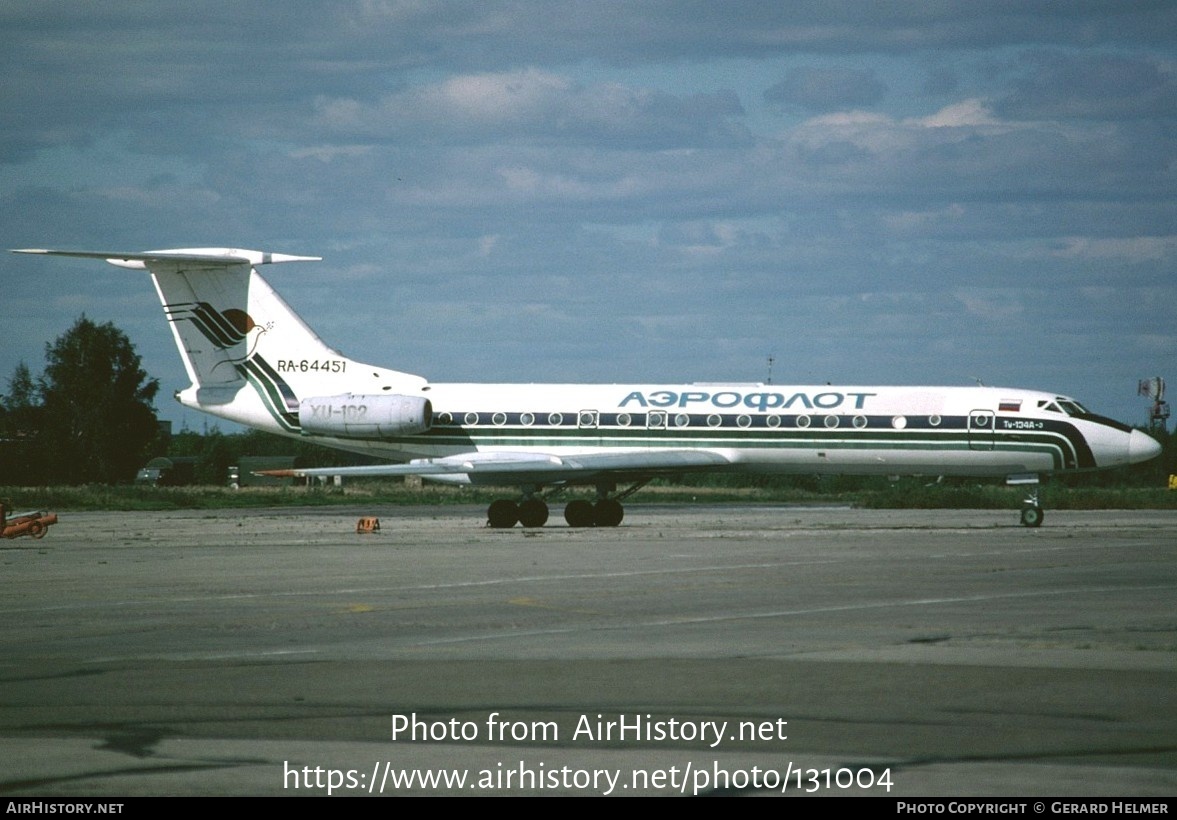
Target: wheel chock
{"x":368,"y":524}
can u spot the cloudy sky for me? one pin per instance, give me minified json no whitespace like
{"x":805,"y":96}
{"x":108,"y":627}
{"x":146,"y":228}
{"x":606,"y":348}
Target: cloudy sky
{"x":871,"y":193}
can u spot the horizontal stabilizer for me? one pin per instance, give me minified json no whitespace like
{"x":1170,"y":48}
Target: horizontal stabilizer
{"x":215,"y":257}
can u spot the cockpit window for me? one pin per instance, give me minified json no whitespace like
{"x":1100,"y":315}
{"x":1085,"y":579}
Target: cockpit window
{"x":1072,"y":408}
{"x":1049,"y":405}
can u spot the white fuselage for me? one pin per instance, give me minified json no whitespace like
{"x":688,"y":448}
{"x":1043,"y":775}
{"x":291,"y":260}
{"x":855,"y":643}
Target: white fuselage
{"x":856,"y":430}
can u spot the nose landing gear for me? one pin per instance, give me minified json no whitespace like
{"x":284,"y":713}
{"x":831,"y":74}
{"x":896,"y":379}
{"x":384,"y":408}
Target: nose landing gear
{"x":1032,"y":513}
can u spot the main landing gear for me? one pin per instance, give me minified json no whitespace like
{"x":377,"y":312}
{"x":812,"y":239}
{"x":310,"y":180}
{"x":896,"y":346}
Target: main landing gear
{"x":504,"y":513}
{"x":605,"y":512}
{"x":532,"y":511}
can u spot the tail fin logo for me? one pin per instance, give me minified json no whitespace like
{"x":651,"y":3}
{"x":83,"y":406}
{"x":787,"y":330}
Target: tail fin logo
{"x":225,"y":329}
{"x":229,"y":329}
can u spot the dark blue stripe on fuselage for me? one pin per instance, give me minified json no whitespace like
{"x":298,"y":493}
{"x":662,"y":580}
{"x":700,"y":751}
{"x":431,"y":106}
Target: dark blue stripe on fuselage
{"x":1075,"y":454}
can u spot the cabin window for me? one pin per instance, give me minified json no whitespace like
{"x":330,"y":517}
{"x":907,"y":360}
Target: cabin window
{"x":831,"y":422}
{"x":744,"y":421}
{"x":499,"y":419}
{"x":624,"y":420}
{"x":527,"y":419}
{"x":656,"y":420}
{"x":555,"y":419}
{"x":471,"y":418}
{"x":934,"y":420}
{"x":773,"y":421}
{"x":802,"y":421}
{"x":714,"y":420}
{"x":682,"y":420}
{"x":860,"y":422}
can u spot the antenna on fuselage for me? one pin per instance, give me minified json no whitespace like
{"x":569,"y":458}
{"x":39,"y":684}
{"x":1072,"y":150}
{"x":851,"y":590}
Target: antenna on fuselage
{"x":770,"y":361}
{"x":1158,"y":414}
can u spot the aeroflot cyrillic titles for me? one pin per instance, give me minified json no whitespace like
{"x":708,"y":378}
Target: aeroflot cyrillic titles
{"x":760,"y":400}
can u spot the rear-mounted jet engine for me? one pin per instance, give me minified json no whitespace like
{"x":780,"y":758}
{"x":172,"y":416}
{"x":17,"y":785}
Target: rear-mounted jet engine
{"x":365,"y":416}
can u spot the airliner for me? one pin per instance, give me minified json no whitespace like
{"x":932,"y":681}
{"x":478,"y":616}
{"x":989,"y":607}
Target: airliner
{"x":252,"y":360}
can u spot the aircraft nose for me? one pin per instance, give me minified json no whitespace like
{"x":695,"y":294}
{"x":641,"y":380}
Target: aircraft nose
{"x":1142,"y":447}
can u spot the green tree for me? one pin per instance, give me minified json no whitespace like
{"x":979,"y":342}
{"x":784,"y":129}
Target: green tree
{"x":19,"y":420}
{"x":22,"y":393}
{"x":97,"y":418}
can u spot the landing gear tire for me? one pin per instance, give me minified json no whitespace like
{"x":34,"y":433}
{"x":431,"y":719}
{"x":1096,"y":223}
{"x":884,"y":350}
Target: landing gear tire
{"x":533,"y":512}
{"x":1032,"y":516}
{"x":502,"y":514}
{"x":579,"y":513}
{"x":608,"y":513}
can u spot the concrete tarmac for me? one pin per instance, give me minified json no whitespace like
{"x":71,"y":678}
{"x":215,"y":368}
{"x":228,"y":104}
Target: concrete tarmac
{"x":694,"y":649}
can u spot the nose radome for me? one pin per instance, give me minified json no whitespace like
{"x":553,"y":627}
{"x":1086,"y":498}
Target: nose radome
{"x":1142,"y":447}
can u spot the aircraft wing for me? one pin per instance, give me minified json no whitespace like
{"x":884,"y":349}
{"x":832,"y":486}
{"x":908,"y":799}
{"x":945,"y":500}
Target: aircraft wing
{"x":523,"y":468}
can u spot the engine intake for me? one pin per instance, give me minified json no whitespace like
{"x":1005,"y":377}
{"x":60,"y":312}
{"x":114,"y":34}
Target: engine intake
{"x":365,"y":416}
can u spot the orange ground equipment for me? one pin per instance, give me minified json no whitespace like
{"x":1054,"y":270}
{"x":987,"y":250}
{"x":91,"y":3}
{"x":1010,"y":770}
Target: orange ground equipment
{"x":34,"y":524}
{"x":368,"y":524}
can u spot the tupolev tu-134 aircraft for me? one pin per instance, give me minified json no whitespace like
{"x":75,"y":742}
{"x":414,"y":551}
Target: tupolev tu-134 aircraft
{"x":252,"y":360}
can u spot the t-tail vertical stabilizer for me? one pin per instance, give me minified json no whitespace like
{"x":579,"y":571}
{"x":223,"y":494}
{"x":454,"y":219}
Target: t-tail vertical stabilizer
{"x":251,"y":359}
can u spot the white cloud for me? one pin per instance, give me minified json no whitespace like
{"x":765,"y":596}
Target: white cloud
{"x":991,"y":304}
{"x":536,"y":105}
{"x":498,"y":98}
{"x":1132,"y":249}
{"x":972,"y":113}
